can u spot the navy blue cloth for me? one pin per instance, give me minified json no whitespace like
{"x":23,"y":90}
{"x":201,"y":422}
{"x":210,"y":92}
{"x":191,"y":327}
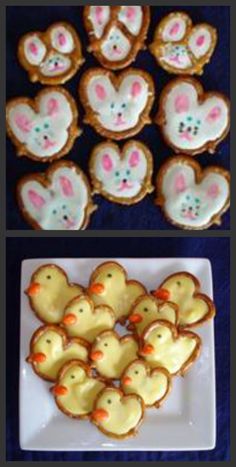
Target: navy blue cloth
{"x":144,"y":215}
{"x":217,"y":250}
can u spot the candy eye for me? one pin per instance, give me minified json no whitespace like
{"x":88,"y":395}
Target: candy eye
{"x":48,"y":341}
{"x":46,"y":125}
{"x":37,"y":129}
{"x":49,"y":277}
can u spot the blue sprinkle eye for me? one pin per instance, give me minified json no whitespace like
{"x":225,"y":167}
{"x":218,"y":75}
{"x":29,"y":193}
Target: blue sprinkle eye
{"x":188,"y":197}
{"x":123,"y":106}
{"x":64,"y":206}
{"x":37,"y":129}
{"x":117,"y":174}
{"x":199,"y":122}
{"x":54,"y":211}
{"x":112,"y":105}
{"x":46,"y":125}
{"x":189,"y":119}
{"x":128,"y":172}
{"x":117,"y":38}
{"x":112,"y":37}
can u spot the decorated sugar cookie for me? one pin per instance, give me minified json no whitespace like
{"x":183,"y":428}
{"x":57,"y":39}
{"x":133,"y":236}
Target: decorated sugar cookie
{"x":83,"y":319}
{"x":147,"y":309}
{"x":183,"y":289}
{"x":109,"y":285}
{"x":111,"y":353}
{"x":59,"y":199}
{"x":44,"y":128}
{"x":49,"y":292}
{"x":76,"y":389}
{"x":116,"y":33}
{"x":165,"y":346}
{"x":192,"y":121}
{"x":153,"y":386}
{"x":118,"y":415}
{"x":50,"y":349}
{"x":53,"y":56}
{"x":182,"y":48}
{"x":123,"y":177}
{"x":117,"y":106}
{"x":192,"y":198}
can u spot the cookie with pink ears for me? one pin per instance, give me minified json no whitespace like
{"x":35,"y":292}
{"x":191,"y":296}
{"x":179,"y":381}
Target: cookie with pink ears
{"x":191,"y":120}
{"x":117,"y":106}
{"x":44,"y":128}
{"x":122,"y":176}
{"x":59,"y":199}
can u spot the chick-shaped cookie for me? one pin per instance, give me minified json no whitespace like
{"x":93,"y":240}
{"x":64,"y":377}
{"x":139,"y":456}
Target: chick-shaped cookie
{"x":83,"y":319}
{"x":183,"y":289}
{"x":49,"y":292}
{"x":111,"y":353}
{"x":76,"y":389}
{"x":165,"y":346}
{"x":109,"y":285}
{"x":118,"y":415}
{"x":152,"y":385}
{"x":50,"y":349}
{"x":147,"y":309}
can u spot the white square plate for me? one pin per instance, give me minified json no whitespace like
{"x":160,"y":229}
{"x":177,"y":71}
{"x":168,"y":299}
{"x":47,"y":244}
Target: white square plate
{"x":187,"y":419}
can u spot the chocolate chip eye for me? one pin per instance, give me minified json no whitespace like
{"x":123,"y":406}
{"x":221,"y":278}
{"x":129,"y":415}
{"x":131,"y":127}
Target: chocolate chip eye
{"x":109,"y":401}
{"x":49,"y":277}
{"x":72,"y":376}
{"x":48,"y":341}
{"x":109,"y":275}
{"x":145,"y":309}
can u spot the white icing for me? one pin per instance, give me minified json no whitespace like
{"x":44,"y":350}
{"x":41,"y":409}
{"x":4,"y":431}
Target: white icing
{"x":44,"y":133}
{"x":58,"y":207}
{"x":55,"y":64}
{"x":99,"y":17}
{"x":150,"y":387}
{"x":200,"y":41}
{"x":120,"y":110}
{"x":116,"y":46}
{"x":132,"y":18}
{"x":188,"y":203}
{"x":124,"y":177}
{"x":34,"y":50}
{"x":208,"y":120}
{"x":176,"y":56}
{"x":174,"y":30}
{"x":62,"y":40}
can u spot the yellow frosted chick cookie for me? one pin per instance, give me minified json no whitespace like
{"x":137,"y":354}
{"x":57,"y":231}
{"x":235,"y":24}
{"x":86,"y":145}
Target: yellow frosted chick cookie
{"x":152,"y":385}
{"x":147,"y":309}
{"x":165,"y":347}
{"x":84,"y":320}
{"x":49,"y":292}
{"x":111,"y":353}
{"x":183,"y":289}
{"x":76,"y":389}
{"x":117,"y":415}
{"x":109,"y":285}
{"x":50,"y":349}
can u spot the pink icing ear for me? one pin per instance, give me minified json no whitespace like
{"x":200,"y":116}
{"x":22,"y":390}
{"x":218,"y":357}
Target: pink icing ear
{"x":213,"y":191}
{"x":136,"y":89}
{"x":200,"y":41}
{"x":214,"y":114}
{"x":33,"y":48}
{"x":52,"y":106}
{"x":23,"y":123}
{"x":174,"y":29}
{"x":181,"y":103}
{"x":35,"y":199}
{"x":130,"y":13}
{"x":61,"y":39}
{"x":107,"y":163}
{"x":180,"y":184}
{"x":100,"y":92}
{"x":66,"y":186}
{"x":134,"y":159}
{"x":99,"y":14}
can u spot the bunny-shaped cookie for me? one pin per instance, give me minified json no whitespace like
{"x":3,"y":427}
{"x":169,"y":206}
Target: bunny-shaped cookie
{"x":181,"y":48}
{"x":60,"y":199}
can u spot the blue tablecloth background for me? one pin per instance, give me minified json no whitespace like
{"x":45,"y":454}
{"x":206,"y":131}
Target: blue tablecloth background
{"x":144,"y":215}
{"x":217,"y":250}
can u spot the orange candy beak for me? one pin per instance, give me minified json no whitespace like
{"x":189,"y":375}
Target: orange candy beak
{"x":69,"y":319}
{"x":135,"y":318}
{"x":147,"y":349}
{"x":59,"y":390}
{"x":162,"y":294}
{"x":33,"y":289}
{"x":96,"y":355}
{"x":127,"y":380}
{"x":100,"y":415}
{"x":38,"y":357}
{"x":96,"y":288}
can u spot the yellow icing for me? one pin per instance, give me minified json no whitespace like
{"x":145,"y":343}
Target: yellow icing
{"x":151,"y":388}
{"x":124,"y":413}
{"x":82,"y":391}
{"x":168,"y":353}
{"x":89,"y":322}
{"x":181,"y":290}
{"x":150,"y":311}
{"x":54,"y":294}
{"x":117,"y":294}
{"x":116,"y":354}
{"x":56,"y":356}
